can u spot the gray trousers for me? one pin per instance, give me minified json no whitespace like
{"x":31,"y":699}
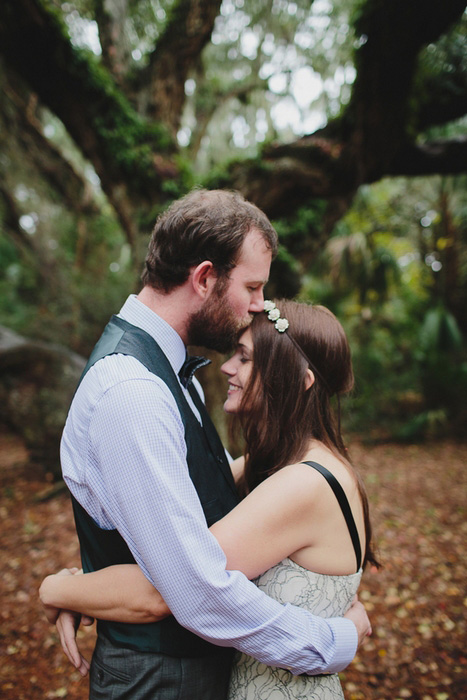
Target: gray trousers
{"x":124,"y":674}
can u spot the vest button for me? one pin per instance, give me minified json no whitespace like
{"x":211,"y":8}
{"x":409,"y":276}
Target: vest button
{"x":219,"y":459}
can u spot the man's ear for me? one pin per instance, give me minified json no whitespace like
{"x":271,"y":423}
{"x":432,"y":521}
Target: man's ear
{"x":309,"y":379}
{"x":204,"y":278}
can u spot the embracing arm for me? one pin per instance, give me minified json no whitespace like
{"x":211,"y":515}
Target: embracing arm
{"x":121,"y":593}
{"x":261,"y":531}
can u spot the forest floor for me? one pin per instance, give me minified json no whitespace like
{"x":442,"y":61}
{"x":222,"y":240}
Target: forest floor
{"x":417,"y":602}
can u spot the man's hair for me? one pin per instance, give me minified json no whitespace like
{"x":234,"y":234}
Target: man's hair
{"x":203,"y":225}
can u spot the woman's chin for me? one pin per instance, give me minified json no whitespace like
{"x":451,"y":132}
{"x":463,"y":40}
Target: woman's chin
{"x":230,"y":407}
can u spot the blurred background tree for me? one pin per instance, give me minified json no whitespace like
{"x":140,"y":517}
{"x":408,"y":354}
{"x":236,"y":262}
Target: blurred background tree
{"x":345,"y":121}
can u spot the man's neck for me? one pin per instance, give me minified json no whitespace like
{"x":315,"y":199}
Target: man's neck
{"x":173,"y":307}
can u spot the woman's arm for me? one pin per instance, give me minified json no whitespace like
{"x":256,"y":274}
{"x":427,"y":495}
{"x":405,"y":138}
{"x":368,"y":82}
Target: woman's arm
{"x":121,"y":593}
{"x":268,"y":525}
{"x":271,"y":523}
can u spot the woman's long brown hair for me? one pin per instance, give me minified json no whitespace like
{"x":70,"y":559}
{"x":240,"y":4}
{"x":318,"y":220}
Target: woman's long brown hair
{"x":280,"y":421}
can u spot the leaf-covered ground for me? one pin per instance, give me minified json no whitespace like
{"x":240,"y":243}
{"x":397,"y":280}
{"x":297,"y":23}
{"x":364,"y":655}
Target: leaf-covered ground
{"x":416,"y":602}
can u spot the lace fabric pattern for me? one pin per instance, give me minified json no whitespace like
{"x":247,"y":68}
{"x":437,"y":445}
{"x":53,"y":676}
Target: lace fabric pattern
{"x":323,"y":595}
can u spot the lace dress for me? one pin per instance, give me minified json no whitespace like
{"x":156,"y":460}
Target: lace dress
{"x":323,"y":595}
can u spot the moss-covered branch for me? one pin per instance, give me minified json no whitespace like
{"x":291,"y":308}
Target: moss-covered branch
{"x":135,"y":155}
{"x":21,"y":124}
{"x":118,"y":142}
{"x":178,"y":50}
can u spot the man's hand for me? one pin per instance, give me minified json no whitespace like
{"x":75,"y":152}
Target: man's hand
{"x":357,"y":614}
{"x":67,"y":627}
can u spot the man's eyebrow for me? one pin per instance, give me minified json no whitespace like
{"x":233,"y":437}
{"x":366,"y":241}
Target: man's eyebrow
{"x":261,"y":282}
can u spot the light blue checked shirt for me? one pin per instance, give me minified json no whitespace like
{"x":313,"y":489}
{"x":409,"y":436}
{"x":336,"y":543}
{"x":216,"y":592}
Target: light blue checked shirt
{"x":124,"y":459}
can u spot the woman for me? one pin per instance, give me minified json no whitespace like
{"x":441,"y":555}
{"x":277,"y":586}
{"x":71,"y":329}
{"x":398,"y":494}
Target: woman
{"x":305,"y":512}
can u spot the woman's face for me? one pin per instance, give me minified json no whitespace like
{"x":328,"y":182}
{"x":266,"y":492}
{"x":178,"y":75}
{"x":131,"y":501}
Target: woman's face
{"x":238,"y":370}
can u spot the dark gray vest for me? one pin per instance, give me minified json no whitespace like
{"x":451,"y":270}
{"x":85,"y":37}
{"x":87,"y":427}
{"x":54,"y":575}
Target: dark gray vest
{"x":211,"y":476}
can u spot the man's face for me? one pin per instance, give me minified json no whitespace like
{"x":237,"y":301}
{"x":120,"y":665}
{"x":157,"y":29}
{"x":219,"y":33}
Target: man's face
{"x":230,"y":306}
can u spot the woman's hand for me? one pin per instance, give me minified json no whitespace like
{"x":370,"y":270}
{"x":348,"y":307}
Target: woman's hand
{"x":67,"y":627}
{"x":67,"y":622}
{"x":51,"y":611}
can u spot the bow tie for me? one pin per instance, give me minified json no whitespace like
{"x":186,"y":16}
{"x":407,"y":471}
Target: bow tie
{"x":189,"y":367}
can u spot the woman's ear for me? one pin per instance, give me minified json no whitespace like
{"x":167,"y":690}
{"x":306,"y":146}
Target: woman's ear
{"x":309,"y":379}
{"x":203,"y":278}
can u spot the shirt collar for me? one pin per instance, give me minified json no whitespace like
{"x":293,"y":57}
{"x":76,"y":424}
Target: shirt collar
{"x":140,"y":315}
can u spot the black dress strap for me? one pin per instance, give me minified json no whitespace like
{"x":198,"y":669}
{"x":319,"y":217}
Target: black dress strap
{"x":345,"y":507}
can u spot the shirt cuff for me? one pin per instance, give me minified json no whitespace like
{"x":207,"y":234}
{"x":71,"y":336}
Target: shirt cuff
{"x":346,"y":643}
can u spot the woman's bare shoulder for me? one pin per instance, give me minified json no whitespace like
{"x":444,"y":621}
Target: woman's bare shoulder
{"x":296,"y":483}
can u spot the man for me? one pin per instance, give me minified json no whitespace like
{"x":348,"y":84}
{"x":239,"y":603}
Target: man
{"x":148,"y":474}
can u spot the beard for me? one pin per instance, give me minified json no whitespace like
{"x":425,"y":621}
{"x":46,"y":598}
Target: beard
{"x":215,"y":325}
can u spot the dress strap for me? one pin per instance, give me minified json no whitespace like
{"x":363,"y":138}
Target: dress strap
{"x":345,"y":507}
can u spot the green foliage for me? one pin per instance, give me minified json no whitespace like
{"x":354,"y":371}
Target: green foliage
{"x":409,"y":354}
{"x":67,"y":299}
{"x":439,"y":333}
{"x":252,"y":65}
{"x":18,"y":289}
{"x":299,"y":237}
{"x":285,"y":277}
{"x":395,"y":270}
{"x":220,"y":175}
{"x":303,"y":226}
{"x":442,"y":365}
{"x":441,"y":78}
{"x":128,"y":139}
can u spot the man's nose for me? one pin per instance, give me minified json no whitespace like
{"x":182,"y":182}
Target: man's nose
{"x":257,"y":301}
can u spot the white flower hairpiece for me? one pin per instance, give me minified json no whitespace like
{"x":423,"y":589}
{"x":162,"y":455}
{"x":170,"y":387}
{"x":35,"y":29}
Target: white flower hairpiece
{"x":280,"y":324}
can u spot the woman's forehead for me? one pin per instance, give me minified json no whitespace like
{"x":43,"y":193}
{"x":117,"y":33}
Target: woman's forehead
{"x":246,"y":339}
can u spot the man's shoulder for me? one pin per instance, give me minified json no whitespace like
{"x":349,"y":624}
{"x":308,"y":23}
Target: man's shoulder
{"x":117,"y":373}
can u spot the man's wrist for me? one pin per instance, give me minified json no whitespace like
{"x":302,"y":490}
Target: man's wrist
{"x":346,"y":643}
